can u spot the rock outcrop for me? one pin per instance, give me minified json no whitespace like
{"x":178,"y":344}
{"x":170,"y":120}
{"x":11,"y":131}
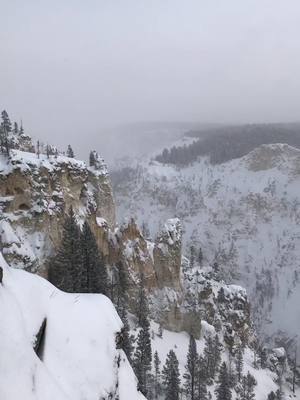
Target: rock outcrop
{"x":37,"y":190}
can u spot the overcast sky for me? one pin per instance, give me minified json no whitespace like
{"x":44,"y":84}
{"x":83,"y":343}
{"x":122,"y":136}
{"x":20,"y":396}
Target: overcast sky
{"x":70,"y":69}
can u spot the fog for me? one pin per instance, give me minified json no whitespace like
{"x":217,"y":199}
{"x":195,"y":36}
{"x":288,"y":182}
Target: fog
{"x":75,"y":71}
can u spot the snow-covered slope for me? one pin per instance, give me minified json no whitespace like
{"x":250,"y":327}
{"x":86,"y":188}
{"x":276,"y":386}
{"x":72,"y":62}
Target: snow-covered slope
{"x":179,"y":342}
{"x":77,"y":359}
{"x":244,"y":214}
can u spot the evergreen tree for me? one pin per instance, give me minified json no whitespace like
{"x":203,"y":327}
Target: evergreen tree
{"x":223,"y":391}
{"x":143,"y":357}
{"x":200,"y":256}
{"x":122,"y":285}
{"x":247,"y":390}
{"x":272,"y":396}
{"x":93,"y":271}
{"x":70,"y":152}
{"x":66,"y":267}
{"x":127,"y":339}
{"x":191,"y":369}
{"x":192,"y":255}
{"x":171,"y":377}
{"x":92,"y":159}
{"x":157,"y":388}
{"x":4,"y":133}
{"x":201,"y":376}
{"x":239,"y":363}
{"x":21,"y":131}
{"x":208,"y":356}
{"x":6,"y":124}
{"x":142,"y":306}
{"x":263,"y":356}
{"x":16,"y":129}
{"x":216,"y":355}
{"x":221,"y":295}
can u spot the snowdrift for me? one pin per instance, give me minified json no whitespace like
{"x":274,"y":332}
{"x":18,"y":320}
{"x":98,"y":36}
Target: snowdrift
{"x":77,"y":357}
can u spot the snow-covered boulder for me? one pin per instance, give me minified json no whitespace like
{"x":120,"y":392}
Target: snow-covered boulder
{"x":75,"y":357}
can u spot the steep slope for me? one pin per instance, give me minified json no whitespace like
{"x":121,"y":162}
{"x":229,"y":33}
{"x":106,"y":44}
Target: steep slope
{"x":35,"y":193}
{"x":244,"y":214}
{"x":77,"y":359}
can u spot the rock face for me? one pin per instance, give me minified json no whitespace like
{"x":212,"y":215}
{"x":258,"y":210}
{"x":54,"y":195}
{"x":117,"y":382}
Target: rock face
{"x":244,"y":214}
{"x":36,"y":192}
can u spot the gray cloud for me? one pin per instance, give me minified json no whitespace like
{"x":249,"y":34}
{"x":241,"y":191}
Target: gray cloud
{"x":72,"y":69}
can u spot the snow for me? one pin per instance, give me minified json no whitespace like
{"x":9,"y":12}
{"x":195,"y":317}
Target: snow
{"x":279,"y":352}
{"x":244,"y":213}
{"x":79,"y":360}
{"x":179,"y":342}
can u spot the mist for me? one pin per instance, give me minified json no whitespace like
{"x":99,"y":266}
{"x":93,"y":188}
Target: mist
{"x":78,"y":72}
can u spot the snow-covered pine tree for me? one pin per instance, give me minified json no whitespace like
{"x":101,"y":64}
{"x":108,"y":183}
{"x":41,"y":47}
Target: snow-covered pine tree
{"x":239,"y":362}
{"x":70,"y":152}
{"x":93,"y":270}
{"x":142,"y":306}
{"x":201,"y":376}
{"x":171,"y":377}
{"x":192,"y":255}
{"x":6,"y":124}
{"x":223,"y":391}
{"x":200,"y":256}
{"x":143,"y":357}
{"x":66,"y":267}
{"x":121,"y":285}
{"x":247,"y":387}
{"x":15,"y":129}
{"x":157,"y":376}
{"x":5,"y":130}
{"x":92,"y":159}
{"x":208,"y":356}
{"x":127,"y":338}
{"x":191,"y":369}
{"x":216,"y":355}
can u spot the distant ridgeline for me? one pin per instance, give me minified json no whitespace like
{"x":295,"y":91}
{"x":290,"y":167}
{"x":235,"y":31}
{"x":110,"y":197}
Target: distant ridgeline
{"x":227,"y":143}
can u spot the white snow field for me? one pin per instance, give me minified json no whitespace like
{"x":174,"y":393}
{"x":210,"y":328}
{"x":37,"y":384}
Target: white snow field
{"x":78,"y":359}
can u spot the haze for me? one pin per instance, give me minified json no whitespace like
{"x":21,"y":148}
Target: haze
{"x":73,"y":70}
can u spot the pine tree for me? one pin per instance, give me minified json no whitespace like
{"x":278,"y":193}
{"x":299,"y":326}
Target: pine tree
{"x":223,"y":391}
{"x":142,"y":306}
{"x":192,"y":255}
{"x":216,"y":355}
{"x":247,"y":390}
{"x":191,"y":369}
{"x":208,"y":356}
{"x":16,"y":129}
{"x":92,"y":159}
{"x":201,"y":376}
{"x":157,"y":385}
{"x":143,"y":357}
{"x":239,"y":362}
{"x":6,"y":124}
{"x":122,"y":285}
{"x":127,"y":339}
{"x":263,"y":356}
{"x":21,"y":131}
{"x":65,"y":268}
{"x":4,"y":134}
{"x":200,"y":256}
{"x":171,"y":377}
{"x":70,"y":152}
{"x":272,"y":396}
{"x":93,"y":271}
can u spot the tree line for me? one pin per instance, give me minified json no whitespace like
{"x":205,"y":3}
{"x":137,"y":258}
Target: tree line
{"x":227,"y":143}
